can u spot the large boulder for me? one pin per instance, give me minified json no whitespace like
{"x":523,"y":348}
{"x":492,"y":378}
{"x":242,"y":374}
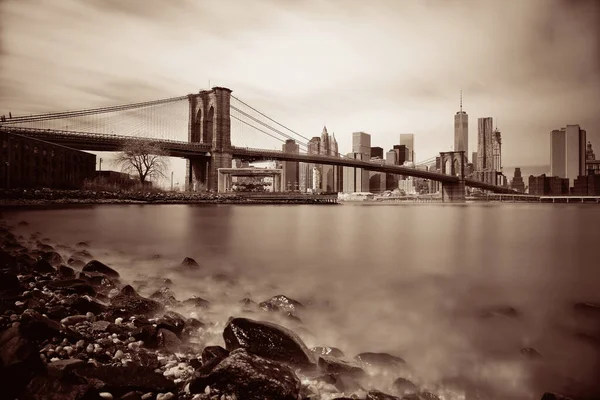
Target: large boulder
{"x":135,"y":304}
{"x":282,"y":303}
{"x":34,"y":326}
{"x":327,"y":351}
{"x":267,"y":340}
{"x":249,"y":377}
{"x":49,"y":388}
{"x":97,"y":266}
{"x":77,"y":286}
{"x":380,"y":360}
{"x":331,"y":364}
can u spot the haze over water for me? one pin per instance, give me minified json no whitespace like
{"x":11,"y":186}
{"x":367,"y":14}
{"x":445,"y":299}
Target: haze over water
{"x":410,"y":280}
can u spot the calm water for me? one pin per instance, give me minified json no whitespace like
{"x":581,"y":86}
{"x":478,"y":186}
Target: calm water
{"x":404,"y":279}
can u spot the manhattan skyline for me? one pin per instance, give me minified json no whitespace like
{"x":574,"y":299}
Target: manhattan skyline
{"x":306,"y":65}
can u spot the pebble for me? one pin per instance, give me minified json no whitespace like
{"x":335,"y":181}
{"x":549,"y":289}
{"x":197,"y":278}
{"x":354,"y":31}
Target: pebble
{"x":118,"y":321}
{"x":119,"y":354}
{"x":14,"y":318}
{"x":165,"y":396}
{"x":106,"y":395}
{"x":90,"y":316}
{"x":19,"y":303}
{"x":90,"y":348}
{"x":147,"y":396}
{"x":80,"y":344}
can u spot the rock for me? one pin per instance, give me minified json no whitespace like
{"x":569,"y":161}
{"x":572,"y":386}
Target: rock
{"x":495,"y":311}
{"x":249,"y":377}
{"x":82,"y":245}
{"x":172,"y":321}
{"x":73,"y":320}
{"x":73,"y":285}
{"x":331,"y":364}
{"x":19,"y":361}
{"x":46,"y":388}
{"x":75,"y":263}
{"x":97,"y":266}
{"x":281,"y":303}
{"x":130,"y":378}
{"x":211,"y":357}
{"x":132,"y":396}
{"x":404,"y":387}
{"x":380,"y":360}
{"x":267,"y":340}
{"x":146,"y":334}
{"x":531,"y":353}
{"x":378,"y":395}
{"x":42,"y":266}
{"x":132,"y":302}
{"x":34,"y":326}
{"x":555,"y":396}
{"x":61,"y":368}
{"x":168,"y":340}
{"x":196,"y":301}
{"x":189,"y":263}
{"x":9,"y":282}
{"x":85,"y":304}
{"x":65,"y":272}
{"x":327,"y":351}
{"x":165,"y":296}
{"x":53,"y":258}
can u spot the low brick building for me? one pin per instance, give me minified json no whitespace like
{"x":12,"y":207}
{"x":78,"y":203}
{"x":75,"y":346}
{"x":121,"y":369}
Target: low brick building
{"x":28,"y":163}
{"x":548,"y":185}
{"x":587,"y":185}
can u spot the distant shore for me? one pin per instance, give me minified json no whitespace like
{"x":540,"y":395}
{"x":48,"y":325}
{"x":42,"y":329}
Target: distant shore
{"x":42,"y":197}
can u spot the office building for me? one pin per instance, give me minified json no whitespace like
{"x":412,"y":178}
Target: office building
{"x":548,"y":185}
{"x":474,"y":160}
{"x":461,"y":130}
{"x":402,"y":154}
{"x":377,"y":180}
{"x":376,"y":152}
{"x":568,"y":152}
{"x":290,"y":169}
{"x":361,"y":143}
{"x":589,"y":152}
{"x":408,"y":140}
{"x":587,"y":185}
{"x":517,"y":181}
{"x":356,"y":179}
{"x":497,"y":150}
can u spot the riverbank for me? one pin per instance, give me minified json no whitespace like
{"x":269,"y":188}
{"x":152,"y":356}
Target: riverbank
{"x":41,"y":197}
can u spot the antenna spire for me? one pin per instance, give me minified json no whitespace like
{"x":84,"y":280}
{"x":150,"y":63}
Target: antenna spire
{"x":461,"y":100}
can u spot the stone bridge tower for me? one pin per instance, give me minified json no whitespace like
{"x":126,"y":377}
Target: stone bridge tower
{"x":209,"y":123}
{"x":453,"y":163}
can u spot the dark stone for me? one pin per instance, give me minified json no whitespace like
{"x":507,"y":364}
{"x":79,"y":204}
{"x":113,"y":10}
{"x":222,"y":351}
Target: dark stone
{"x":43,"y":267}
{"x":267,"y":340}
{"x":82,"y":244}
{"x":329,"y":364}
{"x":197,"y":302}
{"x":23,"y":223}
{"x":61,"y":368}
{"x":189,"y":263}
{"x":404,"y":387}
{"x":165,"y":296}
{"x":505,"y":311}
{"x":75,"y":263}
{"x":53,"y":258}
{"x":65,"y":272}
{"x":428,"y":396}
{"x":168,"y":340}
{"x":97,"y":266}
{"x":555,"y":396}
{"x":531,"y":353}
{"x":146,"y":334}
{"x":194,"y":323}
{"x":9,"y":282}
{"x":122,"y":380}
{"x":73,"y":285}
{"x":57,"y":312}
{"x":100,"y":326}
{"x":19,"y":361}
{"x":145,"y":358}
{"x":34,"y":326}
{"x":132,"y":302}
{"x":378,"y":395}
{"x":211,"y":357}
{"x":327,"y":351}
{"x":249,"y":377}
{"x":44,"y":247}
{"x":132,"y":396}
{"x":85,"y":304}
{"x":380,"y":360}
{"x":282,"y":303}
{"x":172,"y":321}
{"x":47,"y":388}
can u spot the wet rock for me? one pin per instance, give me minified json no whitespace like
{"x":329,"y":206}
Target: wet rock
{"x":168,"y":340}
{"x":147,"y":334}
{"x":46,"y":388}
{"x":497,"y":311}
{"x":132,"y":302}
{"x":82,"y":245}
{"x":130,"y":378}
{"x":61,"y":368}
{"x":43,"y":267}
{"x":194,"y":323}
{"x":165,"y":296}
{"x":65,"y":272}
{"x":327,"y":351}
{"x":427,"y":396}
{"x":9,"y":282}
{"x":97,"y":266}
{"x":267,"y":340}
{"x":85,"y":304}
{"x":34,"y":326}
{"x":211,"y":357}
{"x":404,"y":387}
{"x":75,"y":263}
{"x":73,"y":285}
{"x":196,"y":301}
{"x":189,"y":264}
{"x":73,"y":319}
{"x":172,"y":321}
{"x":531,"y":353}
{"x":44,"y":247}
{"x":53,"y":258}
{"x":380,"y":360}
{"x":331,"y":364}
{"x":19,"y":361}
{"x":378,"y":395}
{"x":249,"y":377}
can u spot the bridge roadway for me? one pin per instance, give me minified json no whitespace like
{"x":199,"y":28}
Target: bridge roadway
{"x":104,"y":142}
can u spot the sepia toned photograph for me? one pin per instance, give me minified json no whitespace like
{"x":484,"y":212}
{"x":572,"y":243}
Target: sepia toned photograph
{"x":299,"y":200}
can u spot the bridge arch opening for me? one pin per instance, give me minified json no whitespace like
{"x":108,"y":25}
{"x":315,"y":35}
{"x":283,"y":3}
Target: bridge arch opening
{"x":197,"y":128}
{"x":207,"y":134}
{"x":447,"y":167}
{"x":456,"y":168}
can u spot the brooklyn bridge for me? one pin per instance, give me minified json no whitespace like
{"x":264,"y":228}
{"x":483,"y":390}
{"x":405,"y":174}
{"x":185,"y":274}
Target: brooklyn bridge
{"x":210,"y":129}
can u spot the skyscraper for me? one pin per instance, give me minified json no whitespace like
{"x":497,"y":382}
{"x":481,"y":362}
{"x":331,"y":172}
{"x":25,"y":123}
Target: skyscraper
{"x":568,"y":152}
{"x":517,"y":181}
{"x":291,"y":175}
{"x":497,"y":150}
{"x":361,"y":143}
{"x":485,"y":171}
{"x":357,"y":179}
{"x":461,"y":130}
{"x":408,"y":140}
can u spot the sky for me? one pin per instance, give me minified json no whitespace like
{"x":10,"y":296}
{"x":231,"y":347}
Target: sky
{"x":384,"y":67}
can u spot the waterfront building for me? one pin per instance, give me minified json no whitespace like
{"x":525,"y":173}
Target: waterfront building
{"x":548,"y":185}
{"x":568,"y":152}
{"x":517,"y":181}
{"x":408,"y":140}
{"x":290,"y":169}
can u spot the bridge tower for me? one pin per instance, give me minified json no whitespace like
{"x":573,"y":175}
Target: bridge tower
{"x":209,"y":123}
{"x":453,"y":163}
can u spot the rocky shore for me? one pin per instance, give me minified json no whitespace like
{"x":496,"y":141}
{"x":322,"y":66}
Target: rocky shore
{"x":33,"y":197}
{"x":70,"y":329}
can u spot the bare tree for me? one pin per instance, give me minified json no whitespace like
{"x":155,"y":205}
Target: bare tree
{"x":145,"y":159}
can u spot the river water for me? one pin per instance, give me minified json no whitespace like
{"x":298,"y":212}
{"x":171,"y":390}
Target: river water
{"x":410,"y":279}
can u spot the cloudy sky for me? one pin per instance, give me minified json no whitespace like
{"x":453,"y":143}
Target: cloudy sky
{"x":382,"y":66}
